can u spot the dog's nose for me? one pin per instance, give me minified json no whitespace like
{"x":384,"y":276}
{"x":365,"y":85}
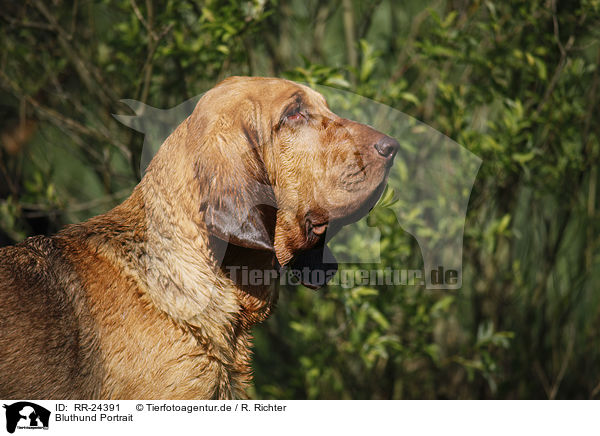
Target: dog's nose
{"x":387,"y":147}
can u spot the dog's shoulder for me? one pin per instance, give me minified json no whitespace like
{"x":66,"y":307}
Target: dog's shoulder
{"x":27,"y":265}
{"x":42,"y":322}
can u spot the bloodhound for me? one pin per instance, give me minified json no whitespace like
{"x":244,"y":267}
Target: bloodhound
{"x":140,"y":302}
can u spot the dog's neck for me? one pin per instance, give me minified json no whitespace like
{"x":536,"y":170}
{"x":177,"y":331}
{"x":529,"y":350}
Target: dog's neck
{"x":254,"y":274}
{"x":159,"y":239}
{"x":177,"y":282}
{"x":186,"y":273}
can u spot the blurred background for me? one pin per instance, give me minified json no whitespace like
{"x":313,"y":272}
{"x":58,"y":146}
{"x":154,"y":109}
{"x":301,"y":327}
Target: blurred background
{"x":515,"y":82}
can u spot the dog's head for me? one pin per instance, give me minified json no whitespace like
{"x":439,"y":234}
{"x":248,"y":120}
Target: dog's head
{"x":277,"y":169}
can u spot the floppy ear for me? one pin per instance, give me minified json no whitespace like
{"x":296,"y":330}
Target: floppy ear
{"x":237,"y":198}
{"x":243,"y":217}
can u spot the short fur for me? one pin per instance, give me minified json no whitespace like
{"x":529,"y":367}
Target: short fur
{"x":137,"y":303}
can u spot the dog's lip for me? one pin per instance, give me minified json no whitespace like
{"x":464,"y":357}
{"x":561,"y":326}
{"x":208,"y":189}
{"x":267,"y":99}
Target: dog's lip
{"x":318,"y":228}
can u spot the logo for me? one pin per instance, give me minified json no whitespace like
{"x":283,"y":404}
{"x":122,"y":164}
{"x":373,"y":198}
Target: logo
{"x":26,"y":415}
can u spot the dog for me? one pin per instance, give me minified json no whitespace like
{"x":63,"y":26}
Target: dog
{"x":139,"y":303}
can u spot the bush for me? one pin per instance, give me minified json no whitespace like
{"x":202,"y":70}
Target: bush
{"x":514,"y":82}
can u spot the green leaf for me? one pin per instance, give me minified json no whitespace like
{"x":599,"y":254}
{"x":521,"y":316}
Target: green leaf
{"x":523,"y":158}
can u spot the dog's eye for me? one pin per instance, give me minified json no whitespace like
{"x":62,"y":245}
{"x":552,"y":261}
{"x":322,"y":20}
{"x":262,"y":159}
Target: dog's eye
{"x":295,"y":116}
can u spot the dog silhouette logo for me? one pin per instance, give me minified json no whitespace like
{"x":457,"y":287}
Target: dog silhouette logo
{"x":26,"y":415}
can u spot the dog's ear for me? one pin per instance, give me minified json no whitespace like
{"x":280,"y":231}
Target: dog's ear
{"x":244,"y":216}
{"x":237,"y":198}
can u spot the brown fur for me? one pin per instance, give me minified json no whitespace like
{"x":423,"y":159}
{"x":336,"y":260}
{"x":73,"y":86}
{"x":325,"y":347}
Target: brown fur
{"x":136,"y":303}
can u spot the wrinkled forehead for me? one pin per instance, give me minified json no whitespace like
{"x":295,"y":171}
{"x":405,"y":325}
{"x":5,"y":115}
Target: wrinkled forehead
{"x":304,"y":95}
{"x":267,"y":93}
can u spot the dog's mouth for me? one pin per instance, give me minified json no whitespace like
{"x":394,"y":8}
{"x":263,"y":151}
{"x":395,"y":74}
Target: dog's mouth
{"x":316,"y":265}
{"x":315,"y":229}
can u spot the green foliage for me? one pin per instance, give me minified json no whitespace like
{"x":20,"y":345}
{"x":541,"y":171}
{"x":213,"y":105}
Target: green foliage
{"x":515,"y":82}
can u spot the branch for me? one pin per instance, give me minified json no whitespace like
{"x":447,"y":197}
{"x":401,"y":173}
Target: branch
{"x":84,"y":70}
{"x":153,"y":41}
{"x":42,"y":210}
{"x":367,"y":17}
{"x":30,"y":24}
{"x":408,"y":45}
{"x":564,"y":49}
{"x":140,"y":17}
{"x":62,"y":120}
{"x":349,"y":33}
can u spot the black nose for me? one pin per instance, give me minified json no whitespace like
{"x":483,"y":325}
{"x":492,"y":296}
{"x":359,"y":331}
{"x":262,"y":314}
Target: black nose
{"x":387,"y":147}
